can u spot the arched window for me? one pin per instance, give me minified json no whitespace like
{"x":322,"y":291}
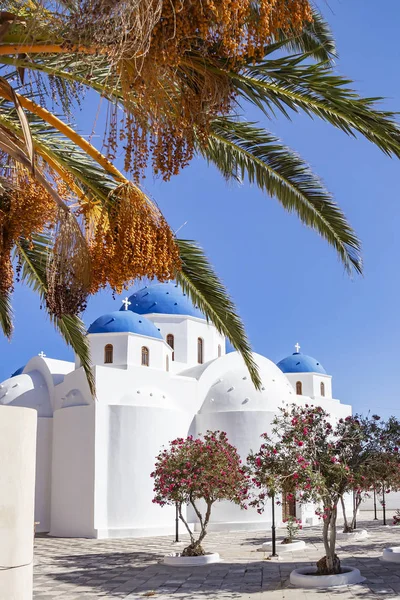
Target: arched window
{"x":145,"y":356}
{"x":108,"y":354}
{"x":219,"y":350}
{"x":200,"y":349}
{"x":167,"y":363}
{"x":171,"y":343}
{"x":299,"y":388}
{"x":322,"y":388}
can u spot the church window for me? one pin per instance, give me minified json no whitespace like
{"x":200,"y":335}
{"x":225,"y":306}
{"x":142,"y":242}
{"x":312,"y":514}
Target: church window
{"x":167,"y":363}
{"x":171,"y":343}
{"x":322,"y":388}
{"x":145,"y":356}
{"x":299,"y":388}
{"x":200,"y":350}
{"x":108,"y":354}
{"x":219,"y":350}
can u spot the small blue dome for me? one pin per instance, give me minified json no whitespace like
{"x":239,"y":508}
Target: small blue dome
{"x":124,"y":322}
{"x":18,"y":371}
{"x":163,"y":298}
{"x":300,"y":363}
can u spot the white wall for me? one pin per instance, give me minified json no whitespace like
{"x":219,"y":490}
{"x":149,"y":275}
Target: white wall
{"x":44,"y":451}
{"x":17,"y":485}
{"x":186,"y":331}
{"x":311,"y":384}
{"x":128,"y":439}
{"x":127,"y":350}
{"x":72,"y":494}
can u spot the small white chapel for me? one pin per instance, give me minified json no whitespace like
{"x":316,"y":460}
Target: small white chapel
{"x":161,"y":372}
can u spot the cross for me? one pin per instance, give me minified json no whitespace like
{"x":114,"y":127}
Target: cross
{"x":41,"y":354}
{"x":297,"y":346}
{"x":126,"y":303}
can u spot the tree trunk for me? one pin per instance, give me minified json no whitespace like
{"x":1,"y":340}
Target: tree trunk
{"x":330,"y":563}
{"x":356,"y":506}
{"x":195,"y":548}
{"x":347,"y":528}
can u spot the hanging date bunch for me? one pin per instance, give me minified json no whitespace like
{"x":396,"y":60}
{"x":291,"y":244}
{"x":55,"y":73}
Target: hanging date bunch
{"x":68,"y":269}
{"x":25,"y":209}
{"x":162,"y":54}
{"x":130,"y":240}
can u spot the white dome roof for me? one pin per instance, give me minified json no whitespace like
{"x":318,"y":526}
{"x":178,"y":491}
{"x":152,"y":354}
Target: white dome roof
{"x":232,"y":389}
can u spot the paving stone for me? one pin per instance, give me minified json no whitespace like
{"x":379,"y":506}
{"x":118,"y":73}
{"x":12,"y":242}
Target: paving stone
{"x":79,"y":569}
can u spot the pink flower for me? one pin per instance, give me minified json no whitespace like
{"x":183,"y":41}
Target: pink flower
{"x":258,"y":461}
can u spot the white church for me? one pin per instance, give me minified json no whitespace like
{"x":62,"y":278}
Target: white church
{"x":161,"y":372}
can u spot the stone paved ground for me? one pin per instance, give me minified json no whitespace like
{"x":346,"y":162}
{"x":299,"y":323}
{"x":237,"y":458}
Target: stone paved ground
{"x":77,"y":569}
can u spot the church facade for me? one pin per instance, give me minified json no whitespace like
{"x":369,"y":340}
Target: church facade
{"x":161,"y":372}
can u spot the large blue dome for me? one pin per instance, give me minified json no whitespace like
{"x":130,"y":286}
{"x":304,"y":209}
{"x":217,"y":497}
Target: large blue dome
{"x":124,"y":322}
{"x":163,"y":298}
{"x":300,"y":363}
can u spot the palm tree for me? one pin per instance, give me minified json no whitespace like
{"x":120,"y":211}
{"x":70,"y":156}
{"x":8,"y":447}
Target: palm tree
{"x":293,"y":73}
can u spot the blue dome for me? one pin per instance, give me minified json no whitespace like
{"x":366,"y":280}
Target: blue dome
{"x":300,"y":363}
{"x":163,"y":298}
{"x":18,"y":371}
{"x":124,"y":322}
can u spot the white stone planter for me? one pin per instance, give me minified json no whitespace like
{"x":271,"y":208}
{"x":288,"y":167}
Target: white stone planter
{"x":391,"y":554}
{"x":176,"y":560}
{"x":358,"y":534}
{"x":304,"y":578}
{"x":17,"y":485}
{"x":282,"y":548}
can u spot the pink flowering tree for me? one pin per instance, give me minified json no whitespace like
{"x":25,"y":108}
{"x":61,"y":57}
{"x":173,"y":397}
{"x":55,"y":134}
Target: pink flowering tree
{"x":199,"y":472}
{"x":308,"y":457}
{"x":368,"y":446}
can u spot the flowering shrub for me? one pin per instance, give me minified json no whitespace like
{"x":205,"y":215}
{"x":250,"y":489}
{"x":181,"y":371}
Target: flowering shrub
{"x":191,"y":470}
{"x":320,"y":462}
{"x":396,"y":518}
{"x":293,"y":527}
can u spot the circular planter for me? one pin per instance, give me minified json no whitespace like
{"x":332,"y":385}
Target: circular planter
{"x":391,"y":554}
{"x":358,"y":534}
{"x":281,"y":548}
{"x":305,"y":578}
{"x":176,"y":560}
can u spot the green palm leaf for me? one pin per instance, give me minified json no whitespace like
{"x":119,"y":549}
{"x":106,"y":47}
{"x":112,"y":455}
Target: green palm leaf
{"x":6,"y":314}
{"x":316,"y":40}
{"x":242,"y":150}
{"x":288,"y":84}
{"x":200,"y":282}
{"x":33,"y":258}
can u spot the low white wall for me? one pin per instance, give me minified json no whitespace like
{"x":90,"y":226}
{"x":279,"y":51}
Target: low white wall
{"x":17,"y":485}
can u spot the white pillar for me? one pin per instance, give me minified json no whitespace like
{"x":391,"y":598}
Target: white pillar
{"x":17,"y":492}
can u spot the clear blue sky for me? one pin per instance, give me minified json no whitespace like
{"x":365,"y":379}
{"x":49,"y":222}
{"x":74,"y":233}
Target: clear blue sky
{"x":287,"y":283}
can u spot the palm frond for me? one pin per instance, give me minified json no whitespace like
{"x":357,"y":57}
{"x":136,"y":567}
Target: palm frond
{"x":6,"y":314}
{"x":288,"y":84}
{"x":33,"y":258}
{"x":242,"y":150}
{"x":200,"y":282}
{"x":316,"y":41}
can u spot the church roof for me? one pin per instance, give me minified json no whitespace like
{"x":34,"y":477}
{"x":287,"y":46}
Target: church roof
{"x":124,"y":322}
{"x":300,"y":363}
{"x":163,"y":298}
